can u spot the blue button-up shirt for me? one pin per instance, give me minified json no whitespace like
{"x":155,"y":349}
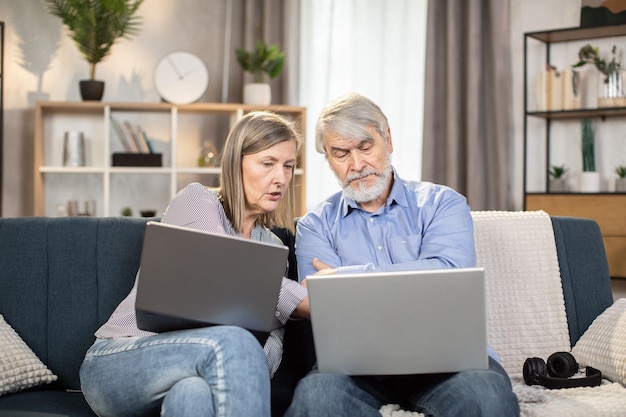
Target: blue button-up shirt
{"x":421,"y":226}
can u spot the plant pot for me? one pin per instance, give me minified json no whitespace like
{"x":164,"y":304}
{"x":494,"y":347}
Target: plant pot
{"x":257,"y":94}
{"x":620,"y":185}
{"x":91,"y":90}
{"x":558,"y":185}
{"x":589,"y":182}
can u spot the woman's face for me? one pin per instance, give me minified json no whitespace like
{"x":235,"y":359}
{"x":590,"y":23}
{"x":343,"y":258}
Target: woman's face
{"x":266,"y":176}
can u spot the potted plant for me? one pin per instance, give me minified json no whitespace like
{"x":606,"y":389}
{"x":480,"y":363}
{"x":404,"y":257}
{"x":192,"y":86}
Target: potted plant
{"x":95,"y":25}
{"x":590,"y":179}
{"x":263,"y":61}
{"x":620,"y":182}
{"x":557,"y":178}
{"x":611,"y":86}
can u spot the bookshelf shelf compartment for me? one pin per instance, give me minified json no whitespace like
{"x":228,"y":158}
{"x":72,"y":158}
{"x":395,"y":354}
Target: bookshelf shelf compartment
{"x":176,"y":133}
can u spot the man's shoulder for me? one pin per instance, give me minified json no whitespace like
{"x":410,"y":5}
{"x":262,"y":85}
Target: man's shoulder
{"x":426,"y":188}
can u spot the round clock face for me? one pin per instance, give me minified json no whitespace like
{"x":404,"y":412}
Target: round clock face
{"x":181,"y":78}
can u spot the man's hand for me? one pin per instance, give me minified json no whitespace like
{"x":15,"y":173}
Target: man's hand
{"x":323,"y":268}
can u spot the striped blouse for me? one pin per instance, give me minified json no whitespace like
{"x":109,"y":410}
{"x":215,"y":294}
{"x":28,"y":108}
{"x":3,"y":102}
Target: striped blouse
{"x":198,"y":207}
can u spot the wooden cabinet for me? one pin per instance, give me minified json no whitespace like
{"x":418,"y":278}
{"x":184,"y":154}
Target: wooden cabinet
{"x":607,"y":208}
{"x":178,"y":133}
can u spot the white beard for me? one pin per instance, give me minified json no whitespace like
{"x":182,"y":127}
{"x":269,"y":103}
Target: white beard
{"x":364,"y":193}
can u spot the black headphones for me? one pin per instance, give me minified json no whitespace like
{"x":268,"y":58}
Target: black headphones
{"x":560,"y":366}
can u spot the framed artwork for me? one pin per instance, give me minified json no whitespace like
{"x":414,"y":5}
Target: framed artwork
{"x":602,"y":12}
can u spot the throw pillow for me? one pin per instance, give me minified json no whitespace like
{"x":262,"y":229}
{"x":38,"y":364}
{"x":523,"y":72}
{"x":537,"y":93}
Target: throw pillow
{"x":603,"y":345}
{"x":20,"y":368}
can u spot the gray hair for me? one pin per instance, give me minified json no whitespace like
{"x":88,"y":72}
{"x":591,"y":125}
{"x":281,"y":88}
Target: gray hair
{"x":348,"y":116}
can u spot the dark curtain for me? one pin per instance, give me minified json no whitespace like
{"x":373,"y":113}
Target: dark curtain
{"x":275,"y":22}
{"x":468,"y":102}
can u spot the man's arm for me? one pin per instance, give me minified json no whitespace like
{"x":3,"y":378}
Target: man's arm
{"x":440,"y":236}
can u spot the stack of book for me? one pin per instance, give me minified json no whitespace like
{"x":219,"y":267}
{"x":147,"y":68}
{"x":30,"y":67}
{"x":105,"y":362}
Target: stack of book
{"x":558,"y":90}
{"x":137,"y":146}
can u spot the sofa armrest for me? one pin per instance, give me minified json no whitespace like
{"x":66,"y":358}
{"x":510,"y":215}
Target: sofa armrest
{"x":584,"y":271}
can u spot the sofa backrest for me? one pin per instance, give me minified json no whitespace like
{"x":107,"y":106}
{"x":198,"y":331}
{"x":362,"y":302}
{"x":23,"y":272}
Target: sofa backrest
{"x":61,"y":278}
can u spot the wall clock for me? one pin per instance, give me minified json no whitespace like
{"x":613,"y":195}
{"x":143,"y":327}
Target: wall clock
{"x":181,"y":77}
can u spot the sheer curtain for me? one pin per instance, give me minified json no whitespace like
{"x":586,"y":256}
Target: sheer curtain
{"x":376,"y":48}
{"x":468,"y":101}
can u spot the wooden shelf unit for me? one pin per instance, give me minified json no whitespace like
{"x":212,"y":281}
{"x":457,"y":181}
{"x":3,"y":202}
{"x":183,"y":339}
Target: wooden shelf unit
{"x":605,"y":208}
{"x":176,"y":131}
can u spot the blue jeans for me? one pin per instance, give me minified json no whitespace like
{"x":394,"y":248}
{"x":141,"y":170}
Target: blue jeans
{"x":212,"y":371}
{"x":464,"y":394}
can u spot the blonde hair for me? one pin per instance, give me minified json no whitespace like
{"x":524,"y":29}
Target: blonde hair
{"x":255,"y":132}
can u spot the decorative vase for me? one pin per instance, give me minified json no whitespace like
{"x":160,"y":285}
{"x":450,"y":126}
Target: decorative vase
{"x":620,"y":185}
{"x":558,"y":185}
{"x":91,"y":90}
{"x":257,"y":94}
{"x":589,"y":182}
{"x":612,"y":89}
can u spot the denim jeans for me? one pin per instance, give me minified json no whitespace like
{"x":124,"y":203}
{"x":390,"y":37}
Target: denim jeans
{"x":471,"y":393}
{"x":213,"y":371}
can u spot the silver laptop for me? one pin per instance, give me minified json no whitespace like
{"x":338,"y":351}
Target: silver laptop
{"x":411,"y":322}
{"x":190,"y":278}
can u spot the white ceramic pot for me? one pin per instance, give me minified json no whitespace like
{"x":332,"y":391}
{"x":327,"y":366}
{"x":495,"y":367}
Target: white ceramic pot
{"x":558,"y":185}
{"x":620,"y":185}
{"x":589,"y":182}
{"x":257,"y":94}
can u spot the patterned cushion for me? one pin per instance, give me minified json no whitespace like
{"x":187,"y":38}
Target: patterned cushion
{"x":603,"y":345}
{"x":20,"y":368}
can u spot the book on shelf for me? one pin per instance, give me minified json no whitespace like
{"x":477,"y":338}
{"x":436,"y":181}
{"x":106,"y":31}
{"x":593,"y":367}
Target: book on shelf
{"x":132,"y":137}
{"x":142,"y":138}
{"x":128,"y":145}
{"x":558,"y":90}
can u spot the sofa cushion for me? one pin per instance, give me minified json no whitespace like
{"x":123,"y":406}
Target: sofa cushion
{"x":603,"y":345}
{"x":20,"y":368}
{"x":45,"y":403}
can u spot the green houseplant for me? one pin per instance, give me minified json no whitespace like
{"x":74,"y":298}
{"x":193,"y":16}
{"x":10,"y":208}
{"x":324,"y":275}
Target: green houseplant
{"x":95,"y":26}
{"x":611,"y":90}
{"x":590,"y":179}
{"x":557,"y":180}
{"x":557,"y":171}
{"x":263,"y":61}
{"x":620,"y":181}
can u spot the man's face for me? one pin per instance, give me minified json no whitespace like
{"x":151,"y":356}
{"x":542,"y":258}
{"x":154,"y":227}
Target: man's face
{"x":362,"y":165}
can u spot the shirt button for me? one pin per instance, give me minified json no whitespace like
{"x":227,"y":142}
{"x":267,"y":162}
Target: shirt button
{"x":380,"y":247}
{"x":277,"y":314}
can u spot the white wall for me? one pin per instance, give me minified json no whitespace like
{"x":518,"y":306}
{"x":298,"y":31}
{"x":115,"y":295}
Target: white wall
{"x":41,"y":62}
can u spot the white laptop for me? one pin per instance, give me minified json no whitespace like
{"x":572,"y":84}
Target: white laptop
{"x":411,"y":322}
{"x":190,"y":278}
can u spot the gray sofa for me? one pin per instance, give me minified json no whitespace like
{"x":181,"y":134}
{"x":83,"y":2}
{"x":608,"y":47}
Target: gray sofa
{"x":60,"y":279}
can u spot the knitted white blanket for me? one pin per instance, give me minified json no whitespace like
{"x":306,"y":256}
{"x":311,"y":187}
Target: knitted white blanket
{"x":526,"y":313}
